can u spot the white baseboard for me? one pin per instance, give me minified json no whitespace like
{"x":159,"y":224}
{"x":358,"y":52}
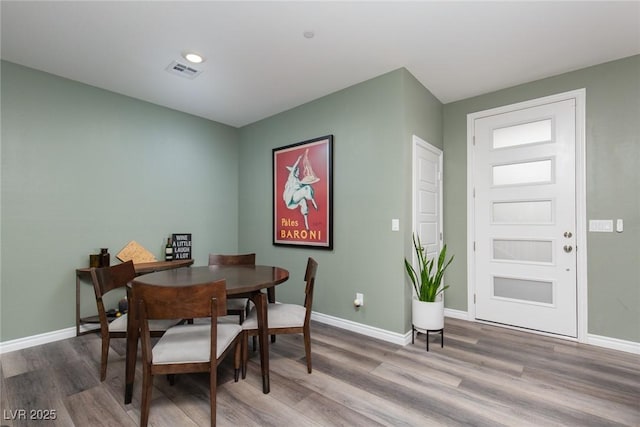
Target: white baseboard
{"x":373,"y":332}
{"x":456,"y":314}
{"x":359,"y":328}
{"x":614,"y":343}
{"x":47,"y":337}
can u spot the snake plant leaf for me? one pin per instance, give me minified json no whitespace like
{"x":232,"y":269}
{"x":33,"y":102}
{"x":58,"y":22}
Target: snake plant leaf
{"x":427,"y":280}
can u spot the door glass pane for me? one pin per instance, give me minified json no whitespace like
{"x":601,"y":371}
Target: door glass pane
{"x":527,"y":133}
{"x":535,"y":172}
{"x":523,"y":290}
{"x":523,"y":250}
{"x":523,"y":212}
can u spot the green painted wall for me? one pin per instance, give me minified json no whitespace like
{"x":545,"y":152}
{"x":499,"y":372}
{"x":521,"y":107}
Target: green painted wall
{"x":370,"y":123}
{"x":613,"y":187}
{"x":83,"y":168}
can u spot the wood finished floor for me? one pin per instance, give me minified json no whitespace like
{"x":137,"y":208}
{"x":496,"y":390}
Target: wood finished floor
{"x":484,"y":376}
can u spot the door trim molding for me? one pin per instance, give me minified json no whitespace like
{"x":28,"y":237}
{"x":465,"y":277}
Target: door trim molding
{"x":580,"y":191}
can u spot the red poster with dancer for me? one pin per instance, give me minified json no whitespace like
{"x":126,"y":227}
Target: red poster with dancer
{"x":302,"y":199}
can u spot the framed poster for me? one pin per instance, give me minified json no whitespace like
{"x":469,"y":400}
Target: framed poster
{"x":303,"y":194}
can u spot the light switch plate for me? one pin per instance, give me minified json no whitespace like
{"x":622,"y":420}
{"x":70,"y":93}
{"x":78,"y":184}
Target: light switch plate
{"x":601,"y":225}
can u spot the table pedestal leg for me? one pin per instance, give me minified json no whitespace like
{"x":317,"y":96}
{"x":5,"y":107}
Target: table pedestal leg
{"x":260,"y":301}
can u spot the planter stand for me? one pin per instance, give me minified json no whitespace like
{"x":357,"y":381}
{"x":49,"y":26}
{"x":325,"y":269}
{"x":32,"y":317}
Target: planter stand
{"x":428,"y":331}
{"x":427,"y":318}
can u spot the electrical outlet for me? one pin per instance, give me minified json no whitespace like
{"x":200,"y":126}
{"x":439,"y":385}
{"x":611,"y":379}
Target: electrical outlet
{"x":359,"y":301}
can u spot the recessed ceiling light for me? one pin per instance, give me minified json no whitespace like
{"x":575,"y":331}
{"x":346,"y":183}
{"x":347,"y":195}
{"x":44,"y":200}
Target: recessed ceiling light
{"x":193,"y":57}
{"x":308,"y":34}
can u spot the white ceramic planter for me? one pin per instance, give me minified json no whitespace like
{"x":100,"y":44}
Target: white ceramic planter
{"x":427,"y":316}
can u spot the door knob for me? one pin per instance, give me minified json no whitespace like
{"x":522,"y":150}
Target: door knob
{"x":568,"y":248}
{"x":567,"y":234}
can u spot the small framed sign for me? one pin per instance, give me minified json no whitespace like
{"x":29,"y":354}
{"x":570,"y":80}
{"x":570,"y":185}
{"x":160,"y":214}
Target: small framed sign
{"x":181,"y":246}
{"x":302,"y":194}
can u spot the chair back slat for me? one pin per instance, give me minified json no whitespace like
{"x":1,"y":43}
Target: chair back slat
{"x":243,"y":259}
{"x":181,"y":302}
{"x":310,"y":278}
{"x":108,"y":278}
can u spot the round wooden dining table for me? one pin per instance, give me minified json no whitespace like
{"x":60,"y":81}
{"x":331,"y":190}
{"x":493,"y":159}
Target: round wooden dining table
{"x":241,"y":281}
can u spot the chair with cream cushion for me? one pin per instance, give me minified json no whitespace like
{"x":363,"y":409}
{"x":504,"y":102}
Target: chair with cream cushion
{"x":285,"y":319}
{"x":104,"y":280}
{"x":185,"y":348}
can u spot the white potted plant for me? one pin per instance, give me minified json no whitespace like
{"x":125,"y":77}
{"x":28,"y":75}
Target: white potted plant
{"x":427,"y":304}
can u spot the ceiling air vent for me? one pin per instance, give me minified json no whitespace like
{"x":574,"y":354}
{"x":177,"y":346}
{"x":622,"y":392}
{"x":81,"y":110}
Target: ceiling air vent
{"x":182,"y":70}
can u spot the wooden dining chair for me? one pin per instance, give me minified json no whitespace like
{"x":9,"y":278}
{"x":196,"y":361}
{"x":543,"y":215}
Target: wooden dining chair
{"x":185,"y":348}
{"x":284,"y":319}
{"x":235,"y":306}
{"x":104,"y":280}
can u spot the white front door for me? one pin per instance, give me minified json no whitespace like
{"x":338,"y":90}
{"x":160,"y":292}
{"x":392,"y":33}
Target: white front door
{"x":524,"y":164}
{"x":427,"y":195}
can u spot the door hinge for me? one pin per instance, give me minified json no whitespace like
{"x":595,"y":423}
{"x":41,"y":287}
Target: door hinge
{"x":474,"y":246}
{"x":474,"y":192}
{"x":441,"y":236}
{"x":474,"y":140}
{"x":474,"y":298}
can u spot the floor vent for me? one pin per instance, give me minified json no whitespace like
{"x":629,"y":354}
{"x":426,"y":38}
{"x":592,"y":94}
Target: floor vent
{"x":183,"y":70}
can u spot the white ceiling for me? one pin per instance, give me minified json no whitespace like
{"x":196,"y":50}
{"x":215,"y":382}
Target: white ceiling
{"x":259,"y":63}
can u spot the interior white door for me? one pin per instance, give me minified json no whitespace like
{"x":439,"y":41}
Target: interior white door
{"x":427,"y":197}
{"x":525,"y":218}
